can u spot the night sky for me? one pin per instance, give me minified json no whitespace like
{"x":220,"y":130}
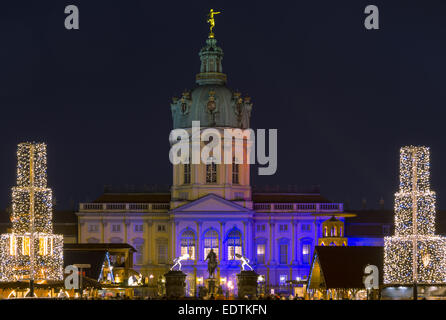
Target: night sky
{"x":344,"y":99}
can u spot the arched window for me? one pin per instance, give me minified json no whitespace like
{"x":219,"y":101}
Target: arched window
{"x":341,"y":232}
{"x":235,"y":172}
{"x":306,"y":245}
{"x":234,"y":241}
{"x":211,"y":242}
{"x":187,"y":243}
{"x":326,"y":231}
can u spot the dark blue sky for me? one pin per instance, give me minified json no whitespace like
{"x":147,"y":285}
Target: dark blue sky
{"x":343,"y":99}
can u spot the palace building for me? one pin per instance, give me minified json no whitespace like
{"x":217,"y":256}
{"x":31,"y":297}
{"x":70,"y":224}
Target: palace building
{"x":212,"y":206}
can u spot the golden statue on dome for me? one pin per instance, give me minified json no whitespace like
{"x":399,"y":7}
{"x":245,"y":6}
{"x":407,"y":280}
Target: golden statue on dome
{"x":211,"y":21}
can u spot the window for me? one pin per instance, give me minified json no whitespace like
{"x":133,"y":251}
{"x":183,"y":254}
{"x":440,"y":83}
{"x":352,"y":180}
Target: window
{"x":234,"y":241}
{"x":211,"y":173}
{"x":261,"y":228}
{"x":161,"y":228}
{"x":138,"y":228}
{"x":139,"y":254}
{"x":235,"y":172}
{"x":306,"y":250}
{"x":116,"y":228}
{"x":187,"y":243}
{"x":184,"y":195}
{"x":283,"y":279}
{"x":211,"y":242}
{"x":283,"y":227}
{"x":93,"y":228}
{"x":260,"y":253}
{"x":162,"y":251}
{"x":283,"y":254}
{"x":306,"y":227}
{"x":186,"y":173}
{"x":239,"y":196}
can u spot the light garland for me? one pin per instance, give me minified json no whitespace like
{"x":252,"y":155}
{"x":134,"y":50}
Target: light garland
{"x":31,"y":251}
{"x":414,"y":226}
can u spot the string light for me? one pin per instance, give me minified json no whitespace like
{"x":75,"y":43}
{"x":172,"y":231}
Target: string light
{"x":31,"y":250}
{"x":414,"y":226}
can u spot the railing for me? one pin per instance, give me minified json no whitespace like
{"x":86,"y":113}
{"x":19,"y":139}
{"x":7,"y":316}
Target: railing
{"x":127,"y":207}
{"x":298,"y":207}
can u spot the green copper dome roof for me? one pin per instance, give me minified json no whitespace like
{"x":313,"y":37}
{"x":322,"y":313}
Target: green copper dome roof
{"x":211,"y":102}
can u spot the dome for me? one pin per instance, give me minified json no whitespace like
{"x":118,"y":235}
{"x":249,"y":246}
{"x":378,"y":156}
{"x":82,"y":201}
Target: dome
{"x":211,"y":102}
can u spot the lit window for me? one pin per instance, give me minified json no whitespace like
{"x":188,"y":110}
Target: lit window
{"x":261,"y":253}
{"x":188,"y":243}
{"x":210,"y":242}
{"x":306,"y":253}
{"x":283,"y":279}
{"x":211,"y":173}
{"x":234,"y":244}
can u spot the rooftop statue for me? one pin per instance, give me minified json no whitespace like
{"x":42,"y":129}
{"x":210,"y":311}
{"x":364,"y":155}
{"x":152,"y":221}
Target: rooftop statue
{"x":211,"y":21}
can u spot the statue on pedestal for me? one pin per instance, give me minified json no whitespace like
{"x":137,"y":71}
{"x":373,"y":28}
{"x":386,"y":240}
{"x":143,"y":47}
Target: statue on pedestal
{"x":212,"y":263}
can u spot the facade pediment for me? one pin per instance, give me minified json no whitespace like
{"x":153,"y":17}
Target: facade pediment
{"x":211,"y":203}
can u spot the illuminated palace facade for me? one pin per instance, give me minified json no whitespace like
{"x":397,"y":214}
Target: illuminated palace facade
{"x":213,"y":205}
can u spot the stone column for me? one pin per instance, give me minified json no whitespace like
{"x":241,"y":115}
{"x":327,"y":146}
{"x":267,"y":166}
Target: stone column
{"x":245,"y":237}
{"x":272,"y":242}
{"x":148,"y":241}
{"x":199,"y":249}
{"x":295,"y":244}
{"x":79,"y":232}
{"x":126,"y":231}
{"x":223,"y":253}
{"x":176,"y":250}
{"x":103,"y":226}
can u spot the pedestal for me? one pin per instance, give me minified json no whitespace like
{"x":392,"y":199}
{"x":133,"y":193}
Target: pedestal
{"x":211,"y":287}
{"x":175,"y":284}
{"x":247,"y":284}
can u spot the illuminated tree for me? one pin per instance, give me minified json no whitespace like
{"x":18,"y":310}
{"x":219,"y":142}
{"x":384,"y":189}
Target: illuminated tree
{"x":31,"y":251}
{"x":414,"y":226}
